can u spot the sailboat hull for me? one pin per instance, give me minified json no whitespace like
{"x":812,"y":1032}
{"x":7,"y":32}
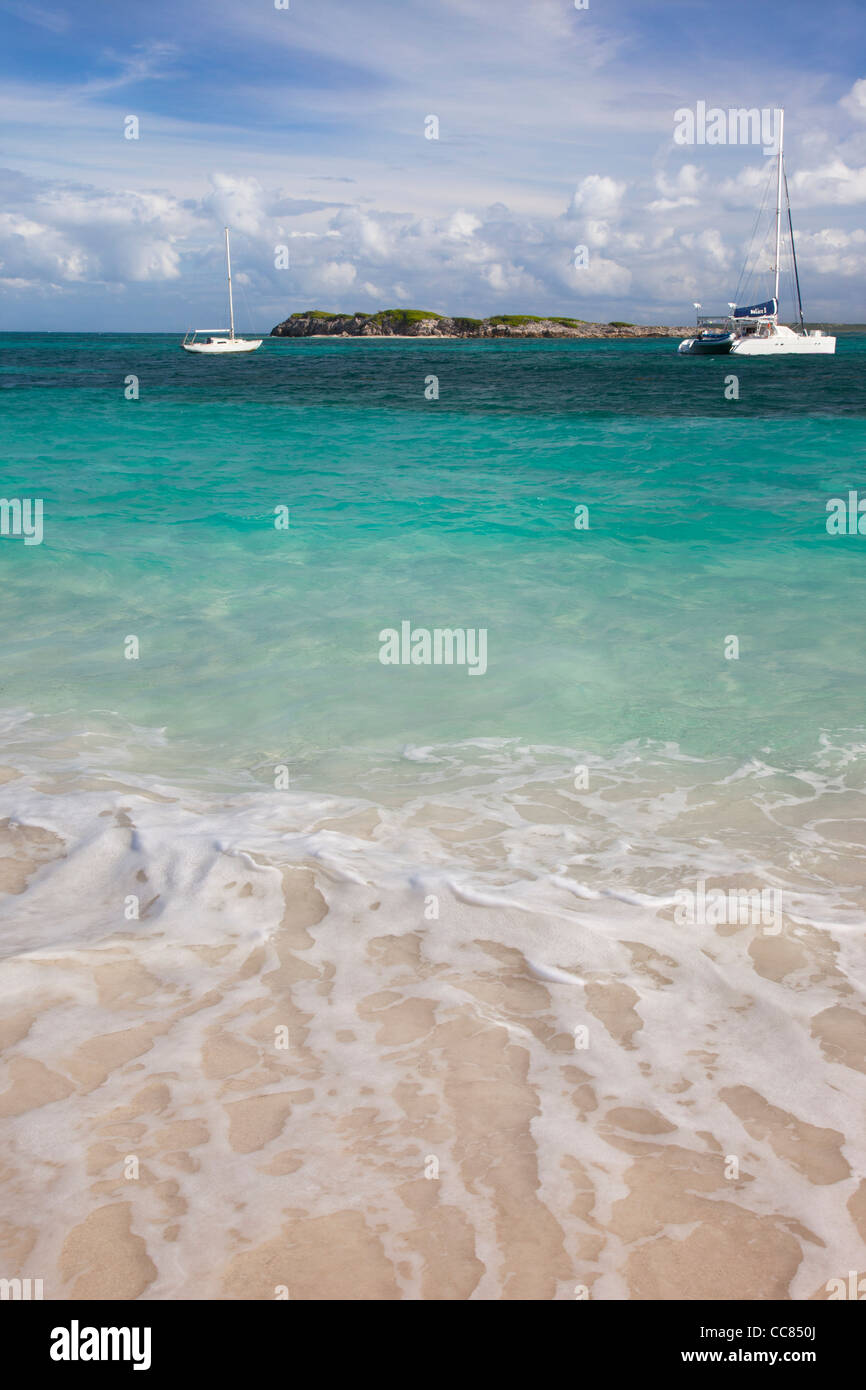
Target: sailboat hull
{"x":224,"y":345}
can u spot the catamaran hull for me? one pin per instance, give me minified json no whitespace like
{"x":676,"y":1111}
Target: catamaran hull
{"x":770,"y":340}
{"x":230,"y":345}
{"x":777,"y":345}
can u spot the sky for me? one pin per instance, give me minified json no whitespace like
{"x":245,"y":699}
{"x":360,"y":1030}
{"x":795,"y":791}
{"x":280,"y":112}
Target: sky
{"x":306,"y":128}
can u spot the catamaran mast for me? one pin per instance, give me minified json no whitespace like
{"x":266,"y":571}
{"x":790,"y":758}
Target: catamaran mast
{"x":778,"y":208}
{"x":229,"y":270}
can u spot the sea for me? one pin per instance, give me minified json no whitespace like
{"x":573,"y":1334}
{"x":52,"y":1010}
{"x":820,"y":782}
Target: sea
{"x":331,"y":967}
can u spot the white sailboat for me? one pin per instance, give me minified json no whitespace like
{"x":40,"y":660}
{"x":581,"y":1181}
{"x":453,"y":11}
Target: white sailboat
{"x":218,"y":340}
{"x":754,"y":330}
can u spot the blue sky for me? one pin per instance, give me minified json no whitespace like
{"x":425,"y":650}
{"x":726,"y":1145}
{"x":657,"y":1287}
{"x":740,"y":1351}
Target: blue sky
{"x":305,"y":128}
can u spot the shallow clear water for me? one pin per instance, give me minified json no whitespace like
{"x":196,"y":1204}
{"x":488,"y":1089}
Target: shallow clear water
{"x":706,"y":519}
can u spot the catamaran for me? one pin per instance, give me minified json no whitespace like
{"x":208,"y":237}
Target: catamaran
{"x":753,"y":330}
{"x":212,"y":340}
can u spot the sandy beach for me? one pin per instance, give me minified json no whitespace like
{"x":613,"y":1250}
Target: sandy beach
{"x":302,"y":1084}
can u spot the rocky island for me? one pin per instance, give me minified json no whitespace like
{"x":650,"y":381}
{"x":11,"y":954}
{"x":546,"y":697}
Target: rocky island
{"x":420,"y":323}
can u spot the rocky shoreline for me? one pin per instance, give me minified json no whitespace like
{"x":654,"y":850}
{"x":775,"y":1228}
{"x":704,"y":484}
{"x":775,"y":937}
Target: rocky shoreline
{"x":419,"y":323}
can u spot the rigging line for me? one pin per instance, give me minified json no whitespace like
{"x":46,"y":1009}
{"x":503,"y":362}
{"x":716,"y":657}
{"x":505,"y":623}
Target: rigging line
{"x":248,"y":317}
{"x":752,"y":284}
{"x":793,"y":252}
{"x":791,"y":269}
{"x":238,"y":280}
{"x":758,"y":216}
{"x":789,"y":283}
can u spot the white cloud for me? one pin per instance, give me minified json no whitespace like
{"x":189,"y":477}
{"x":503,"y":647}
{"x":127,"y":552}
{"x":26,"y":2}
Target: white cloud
{"x":600,"y":277}
{"x":462,"y":225}
{"x":709,"y":247}
{"x":337,"y":275}
{"x":685,"y":191}
{"x":835,"y":184}
{"x":833,"y":251}
{"x":81,"y":236}
{"x":854,"y":102}
{"x":598,"y":196}
{"x":236,"y":202}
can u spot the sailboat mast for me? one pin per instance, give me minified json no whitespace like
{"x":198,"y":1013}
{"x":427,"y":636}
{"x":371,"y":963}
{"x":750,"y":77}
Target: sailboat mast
{"x":229,"y":272}
{"x":779,"y":208}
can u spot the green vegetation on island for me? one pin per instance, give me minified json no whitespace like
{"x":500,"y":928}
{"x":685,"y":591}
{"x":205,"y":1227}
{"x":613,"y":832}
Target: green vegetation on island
{"x":426,"y":323}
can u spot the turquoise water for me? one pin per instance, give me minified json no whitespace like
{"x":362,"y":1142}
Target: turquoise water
{"x":706,"y":519}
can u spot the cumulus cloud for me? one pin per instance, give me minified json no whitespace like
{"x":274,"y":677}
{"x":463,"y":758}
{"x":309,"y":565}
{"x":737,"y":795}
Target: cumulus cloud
{"x":462,"y":225}
{"x":598,"y":256}
{"x":337,"y":275}
{"x":833,"y":251}
{"x":236,"y":202}
{"x":73,"y":235}
{"x":836,"y":183}
{"x":590,"y":257}
{"x":709,"y":246}
{"x":686,"y":190}
{"x":599,"y":278}
{"x":854,"y":102}
{"x":597,"y":196}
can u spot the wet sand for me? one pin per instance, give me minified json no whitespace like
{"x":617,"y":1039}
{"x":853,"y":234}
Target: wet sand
{"x":317,"y":1089}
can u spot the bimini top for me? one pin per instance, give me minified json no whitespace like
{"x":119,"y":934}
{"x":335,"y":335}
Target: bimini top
{"x":769,"y":309}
